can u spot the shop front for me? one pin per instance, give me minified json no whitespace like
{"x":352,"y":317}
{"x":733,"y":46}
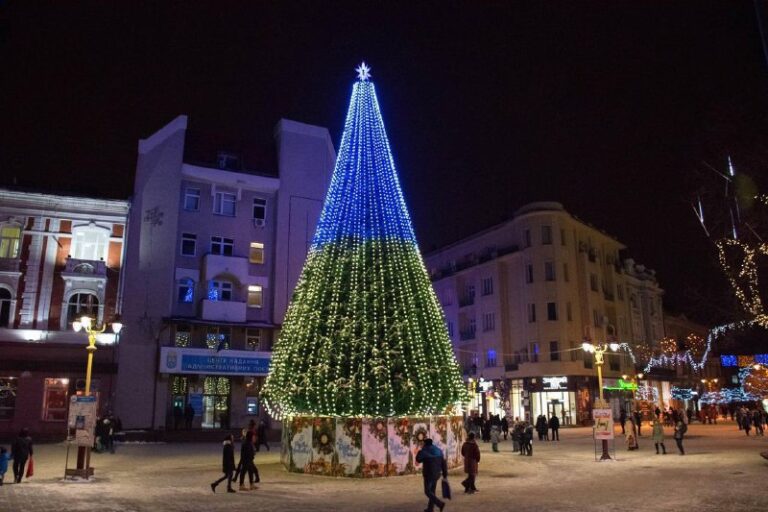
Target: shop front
{"x":217,"y":389}
{"x":553,"y":396}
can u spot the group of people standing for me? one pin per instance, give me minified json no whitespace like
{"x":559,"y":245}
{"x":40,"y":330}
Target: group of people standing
{"x":748,"y":418}
{"x":678,"y":417}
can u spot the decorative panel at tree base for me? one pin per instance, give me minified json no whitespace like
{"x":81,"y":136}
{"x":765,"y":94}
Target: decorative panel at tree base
{"x":367,"y":447}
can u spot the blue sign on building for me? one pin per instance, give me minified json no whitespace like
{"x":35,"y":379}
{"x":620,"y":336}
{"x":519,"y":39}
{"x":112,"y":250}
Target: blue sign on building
{"x":223,"y":364}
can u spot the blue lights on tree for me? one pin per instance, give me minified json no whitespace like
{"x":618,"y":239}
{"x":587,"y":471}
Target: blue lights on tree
{"x":364,"y":334}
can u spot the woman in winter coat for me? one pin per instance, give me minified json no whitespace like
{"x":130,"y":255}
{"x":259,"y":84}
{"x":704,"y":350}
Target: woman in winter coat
{"x":21,"y":450}
{"x":227,"y":464}
{"x":495,"y":438}
{"x":542,"y":428}
{"x":471,"y":453}
{"x":658,"y":436}
{"x":680,"y":430}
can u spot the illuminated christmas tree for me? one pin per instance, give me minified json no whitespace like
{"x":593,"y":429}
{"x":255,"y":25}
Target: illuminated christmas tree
{"x":364,"y":334}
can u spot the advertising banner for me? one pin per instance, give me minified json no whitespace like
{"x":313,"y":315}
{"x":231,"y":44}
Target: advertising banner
{"x":603,"y":423}
{"x":82,"y":419}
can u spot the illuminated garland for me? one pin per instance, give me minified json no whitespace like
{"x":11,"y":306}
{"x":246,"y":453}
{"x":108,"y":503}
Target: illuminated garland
{"x":364,"y":334}
{"x":681,"y":393}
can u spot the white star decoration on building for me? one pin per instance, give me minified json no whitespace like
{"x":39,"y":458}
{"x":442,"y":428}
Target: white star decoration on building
{"x":363,"y":72}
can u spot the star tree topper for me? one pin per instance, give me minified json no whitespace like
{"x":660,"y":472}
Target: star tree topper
{"x":363,"y":72}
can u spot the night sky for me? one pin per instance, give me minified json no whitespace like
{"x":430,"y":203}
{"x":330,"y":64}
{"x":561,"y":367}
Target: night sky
{"x":612,"y":108}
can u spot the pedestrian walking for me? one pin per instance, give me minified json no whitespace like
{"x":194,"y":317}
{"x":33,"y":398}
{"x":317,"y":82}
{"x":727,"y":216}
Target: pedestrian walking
{"x":4,"y":458}
{"x":21,"y":451}
{"x":504,"y":427}
{"x":247,"y":453}
{"x":433,"y":466}
{"x":227,"y":463}
{"x":554,"y":426}
{"x":178,"y":415}
{"x":622,"y":420}
{"x":639,"y":421}
{"x":757,"y":420}
{"x":658,"y":436}
{"x":495,"y":435}
{"x":261,"y":435}
{"x":746,"y":421}
{"x":471,"y":453}
{"x":680,"y":430}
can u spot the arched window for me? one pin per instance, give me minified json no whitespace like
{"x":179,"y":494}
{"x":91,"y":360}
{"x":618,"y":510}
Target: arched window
{"x":5,"y":307}
{"x":10,"y":240}
{"x":82,"y":304}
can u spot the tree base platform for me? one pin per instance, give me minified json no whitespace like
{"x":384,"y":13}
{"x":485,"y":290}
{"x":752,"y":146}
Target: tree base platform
{"x":367,"y":447}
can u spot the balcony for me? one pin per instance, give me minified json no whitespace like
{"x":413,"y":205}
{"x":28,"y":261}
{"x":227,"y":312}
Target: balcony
{"x":223,"y":310}
{"x":84,"y":270}
{"x":10,"y":265}
{"x":217,"y":265}
{"x":467,"y":335}
{"x":467,"y":300}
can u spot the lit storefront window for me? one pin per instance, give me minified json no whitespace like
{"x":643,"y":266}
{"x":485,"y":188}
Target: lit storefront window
{"x":8,"y":389}
{"x":55,"y":396}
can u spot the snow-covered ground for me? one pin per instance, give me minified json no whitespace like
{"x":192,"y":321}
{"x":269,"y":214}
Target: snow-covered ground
{"x":722,"y":471}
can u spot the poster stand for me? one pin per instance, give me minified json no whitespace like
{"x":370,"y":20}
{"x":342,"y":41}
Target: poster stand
{"x":599,"y":449}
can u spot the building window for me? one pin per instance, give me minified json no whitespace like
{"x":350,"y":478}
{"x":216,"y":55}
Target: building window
{"x":255,"y":296}
{"x":546,"y":235}
{"x":551,"y":311}
{"x":224,"y":204}
{"x":89,"y":243}
{"x":487,"y":285}
{"x":253,"y":339}
{"x":554,"y":351}
{"x":534,"y":352}
{"x":490,"y":359}
{"x":5,"y":307}
{"x":183,"y":336}
{"x":220,"y":290}
{"x":620,"y":292}
{"x":562,"y":237}
{"x":256,"y":254}
{"x":614,"y":362}
{"x":216,"y":391}
{"x":529,"y":273}
{"x":82,"y":304}
{"x":593,"y":282}
{"x":531,"y":313}
{"x":549,"y":270}
{"x":489,"y":321}
{"x":218,"y":338}
{"x":527,"y":238}
{"x":55,"y":399}
{"x":10,"y":241}
{"x":566,"y":278}
{"x":192,"y":199}
{"x":596,"y":320}
{"x":188,"y":244}
{"x":259,"y":209}
{"x":472,"y":326}
{"x":186,"y":291}
{"x":449,"y":325}
{"x":568,"y":312}
{"x":8,"y":389}
{"x":222,"y":246}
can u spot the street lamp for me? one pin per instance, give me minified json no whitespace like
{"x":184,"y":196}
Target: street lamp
{"x":86,"y":323}
{"x":599,"y":350}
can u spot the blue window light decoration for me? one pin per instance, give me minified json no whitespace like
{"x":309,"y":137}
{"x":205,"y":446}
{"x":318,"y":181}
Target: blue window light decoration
{"x":213,"y":291}
{"x":729,"y":361}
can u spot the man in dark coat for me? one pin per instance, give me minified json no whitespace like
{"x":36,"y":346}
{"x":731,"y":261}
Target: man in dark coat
{"x":471,"y":453}
{"x":554,"y":426}
{"x":623,"y":420}
{"x":247,"y":453}
{"x":505,"y":427}
{"x":638,"y":421}
{"x":541,"y":427}
{"x":433,"y":466}
{"x":21,"y":451}
{"x":189,"y":416}
{"x":227,"y":464}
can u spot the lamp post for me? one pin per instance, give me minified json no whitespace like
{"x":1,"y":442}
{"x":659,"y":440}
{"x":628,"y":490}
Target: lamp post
{"x":599,"y":350}
{"x":86,"y":323}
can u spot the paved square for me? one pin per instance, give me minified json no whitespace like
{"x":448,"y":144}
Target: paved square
{"x":722,"y":471}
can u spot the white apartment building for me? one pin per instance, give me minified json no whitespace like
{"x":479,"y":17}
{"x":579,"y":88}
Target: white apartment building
{"x":521,"y":297}
{"x":218,"y":239}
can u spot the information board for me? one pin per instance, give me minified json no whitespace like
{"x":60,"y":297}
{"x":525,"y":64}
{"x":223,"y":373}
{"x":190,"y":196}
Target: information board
{"x":603,"y":423}
{"x":82,"y":419}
